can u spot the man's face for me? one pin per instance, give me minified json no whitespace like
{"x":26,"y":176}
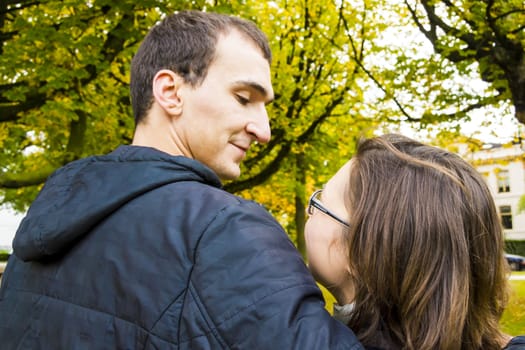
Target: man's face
{"x":224,"y":115}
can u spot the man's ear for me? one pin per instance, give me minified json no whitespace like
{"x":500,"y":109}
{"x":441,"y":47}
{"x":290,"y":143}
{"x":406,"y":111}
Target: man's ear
{"x":166,"y":84}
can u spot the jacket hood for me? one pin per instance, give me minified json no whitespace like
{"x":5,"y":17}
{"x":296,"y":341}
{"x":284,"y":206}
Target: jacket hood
{"x":83,"y":193}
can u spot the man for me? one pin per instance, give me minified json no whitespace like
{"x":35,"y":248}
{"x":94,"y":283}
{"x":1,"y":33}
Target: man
{"x":142,"y":248}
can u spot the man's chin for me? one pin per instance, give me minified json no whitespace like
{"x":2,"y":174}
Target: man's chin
{"x":229,"y":174}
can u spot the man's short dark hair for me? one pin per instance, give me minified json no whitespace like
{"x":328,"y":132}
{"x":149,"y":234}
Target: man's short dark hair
{"x":184,"y":42}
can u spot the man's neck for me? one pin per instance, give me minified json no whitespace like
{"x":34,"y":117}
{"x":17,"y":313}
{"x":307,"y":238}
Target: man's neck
{"x":157,"y":132}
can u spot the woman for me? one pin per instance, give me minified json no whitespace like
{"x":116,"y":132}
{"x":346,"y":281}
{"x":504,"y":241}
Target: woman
{"x":407,"y":237}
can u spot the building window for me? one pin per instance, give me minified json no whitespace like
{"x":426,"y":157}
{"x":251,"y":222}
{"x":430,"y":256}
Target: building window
{"x":506,"y":216}
{"x":503,"y":181}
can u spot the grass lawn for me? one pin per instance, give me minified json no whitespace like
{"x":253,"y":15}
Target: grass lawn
{"x":328,"y":298}
{"x":513,"y":320}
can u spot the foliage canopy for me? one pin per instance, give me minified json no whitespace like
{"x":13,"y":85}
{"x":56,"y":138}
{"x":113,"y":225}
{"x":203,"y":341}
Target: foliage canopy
{"x":342,"y":70}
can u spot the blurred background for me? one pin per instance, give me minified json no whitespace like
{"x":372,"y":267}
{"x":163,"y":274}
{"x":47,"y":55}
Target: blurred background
{"x":448,"y":73}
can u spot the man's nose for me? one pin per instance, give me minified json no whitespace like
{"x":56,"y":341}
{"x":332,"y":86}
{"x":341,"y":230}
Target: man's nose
{"x":259,"y":126}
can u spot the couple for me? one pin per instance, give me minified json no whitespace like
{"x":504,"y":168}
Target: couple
{"x":142,"y":249}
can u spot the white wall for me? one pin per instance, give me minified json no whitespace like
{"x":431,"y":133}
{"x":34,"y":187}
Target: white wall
{"x":516,"y":169}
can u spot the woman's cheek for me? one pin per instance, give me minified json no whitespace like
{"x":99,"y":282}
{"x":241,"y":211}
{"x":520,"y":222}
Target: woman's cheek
{"x":326,"y":258}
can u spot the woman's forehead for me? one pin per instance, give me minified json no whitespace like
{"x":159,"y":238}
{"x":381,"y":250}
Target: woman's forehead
{"x":337,"y":184}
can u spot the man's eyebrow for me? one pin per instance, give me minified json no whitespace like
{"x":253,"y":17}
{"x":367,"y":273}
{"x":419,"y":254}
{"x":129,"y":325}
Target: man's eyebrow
{"x":255,"y":86}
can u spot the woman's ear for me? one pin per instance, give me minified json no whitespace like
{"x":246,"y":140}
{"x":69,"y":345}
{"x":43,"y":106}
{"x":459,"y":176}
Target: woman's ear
{"x":166,"y":84}
{"x":349,"y":270}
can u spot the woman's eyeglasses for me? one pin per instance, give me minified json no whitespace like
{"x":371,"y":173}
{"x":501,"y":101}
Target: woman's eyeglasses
{"x":314,"y":202}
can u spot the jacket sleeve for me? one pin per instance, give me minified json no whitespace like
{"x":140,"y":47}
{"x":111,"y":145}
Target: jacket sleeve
{"x":255,"y":290}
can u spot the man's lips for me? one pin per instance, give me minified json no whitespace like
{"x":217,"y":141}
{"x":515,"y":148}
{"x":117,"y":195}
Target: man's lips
{"x":244,"y":148}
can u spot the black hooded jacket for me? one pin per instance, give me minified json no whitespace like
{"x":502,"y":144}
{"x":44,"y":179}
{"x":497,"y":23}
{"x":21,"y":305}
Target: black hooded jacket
{"x":142,"y":250}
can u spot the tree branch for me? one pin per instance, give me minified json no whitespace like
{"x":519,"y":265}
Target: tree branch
{"x":373,"y":78}
{"x":431,"y":34}
{"x":262,"y":176}
{"x":9,"y":112}
{"x":25,"y":179}
{"x":113,"y":45}
{"x":462,"y":112}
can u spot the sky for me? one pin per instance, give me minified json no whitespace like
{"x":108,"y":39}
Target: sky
{"x":489,"y":129}
{"x":9,"y":222}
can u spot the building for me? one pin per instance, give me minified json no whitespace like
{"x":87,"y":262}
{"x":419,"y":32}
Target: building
{"x":503,"y":167}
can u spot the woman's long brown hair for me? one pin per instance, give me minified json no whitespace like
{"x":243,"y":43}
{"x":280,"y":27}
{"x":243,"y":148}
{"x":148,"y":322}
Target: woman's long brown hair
{"x":425,"y":249}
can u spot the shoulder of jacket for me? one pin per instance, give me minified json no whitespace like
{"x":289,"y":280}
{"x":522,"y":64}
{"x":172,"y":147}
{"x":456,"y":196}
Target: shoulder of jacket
{"x":516,"y":343}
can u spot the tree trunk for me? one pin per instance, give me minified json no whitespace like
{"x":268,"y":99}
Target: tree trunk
{"x":300,"y":205}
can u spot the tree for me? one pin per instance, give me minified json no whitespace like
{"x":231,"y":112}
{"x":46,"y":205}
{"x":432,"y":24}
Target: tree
{"x":488,"y":35}
{"x":64,"y":87}
{"x":316,"y":115}
{"x":64,"y":68}
{"x":56,"y":57}
{"x":64,"y":83}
